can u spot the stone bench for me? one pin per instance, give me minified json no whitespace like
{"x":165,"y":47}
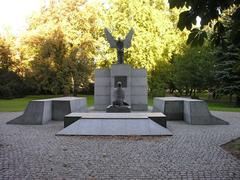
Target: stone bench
{"x":192,"y":111}
{"x":44,"y":110}
{"x":155,"y":116}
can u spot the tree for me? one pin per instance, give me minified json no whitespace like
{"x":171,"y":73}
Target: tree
{"x":228,"y":59}
{"x":11,"y":84}
{"x":208,"y":10}
{"x":194,"y":70}
{"x":61,"y":42}
{"x":155,"y":40}
{"x":5,"y":55}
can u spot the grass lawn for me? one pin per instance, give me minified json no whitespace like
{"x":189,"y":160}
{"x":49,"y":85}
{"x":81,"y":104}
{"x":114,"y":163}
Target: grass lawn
{"x":233,"y":147}
{"x":19,"y":104}
{"x":223,"y":107}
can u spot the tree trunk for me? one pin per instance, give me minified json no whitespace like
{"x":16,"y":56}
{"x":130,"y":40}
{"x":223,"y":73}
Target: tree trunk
{"x":230,"y":98}
{"x":214,"y":95}
{"x":238,"y":101}
{"x":75,"y":87}
{"x":187,"y":91}
{"x":191,"y":90}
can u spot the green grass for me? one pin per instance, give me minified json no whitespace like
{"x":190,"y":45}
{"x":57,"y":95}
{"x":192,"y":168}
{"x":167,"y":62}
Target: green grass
{"x":233,"y":147}
{"x":19,"y":104}
{"x":235,"y":144}
{"x":90,"y":99}
{"x":223,"y":107}
{"x":150,"y":101}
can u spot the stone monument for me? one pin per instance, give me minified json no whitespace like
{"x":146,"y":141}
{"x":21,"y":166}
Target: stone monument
{"x":133,"y":81}
{"x":119,"y":105}
{"x":119,"y":44}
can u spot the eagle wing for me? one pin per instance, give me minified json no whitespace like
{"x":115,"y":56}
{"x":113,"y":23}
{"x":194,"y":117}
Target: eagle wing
{"x":110,"y":38}
{"x":128,"y":39}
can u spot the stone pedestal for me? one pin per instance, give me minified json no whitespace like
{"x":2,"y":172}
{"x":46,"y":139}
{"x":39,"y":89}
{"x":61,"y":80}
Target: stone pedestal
{"x":134,"y":82}
{"x":118,"y":109}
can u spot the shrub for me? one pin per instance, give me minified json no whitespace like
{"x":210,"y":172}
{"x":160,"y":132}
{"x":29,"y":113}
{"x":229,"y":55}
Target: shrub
{"x":11,"y":85}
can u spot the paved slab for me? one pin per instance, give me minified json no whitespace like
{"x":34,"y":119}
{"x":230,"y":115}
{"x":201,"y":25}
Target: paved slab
{"x":121,"y":127}
{"x":193,"y":152}
{"x":102,"y":115}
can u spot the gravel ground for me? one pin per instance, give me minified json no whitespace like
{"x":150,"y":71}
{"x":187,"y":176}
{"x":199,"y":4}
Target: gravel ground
{"x":193,"y":152}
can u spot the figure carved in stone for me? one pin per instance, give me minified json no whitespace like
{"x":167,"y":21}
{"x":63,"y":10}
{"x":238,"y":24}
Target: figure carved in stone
{"x":119,"y":44}
{"x":119,"y":96}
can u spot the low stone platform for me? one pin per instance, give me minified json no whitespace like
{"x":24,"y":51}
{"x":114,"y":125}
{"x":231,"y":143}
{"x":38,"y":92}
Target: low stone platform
{"x":157,"y":117}
{"x":125,"y":124}
{"x":115,"y":127}
{"x":192,"y":111}
{"x":41,"y":111}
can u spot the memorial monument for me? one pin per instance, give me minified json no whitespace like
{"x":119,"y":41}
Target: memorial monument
{"x":133,"y":81}
{"x":119,"y":44}
{"x":118,"y":105}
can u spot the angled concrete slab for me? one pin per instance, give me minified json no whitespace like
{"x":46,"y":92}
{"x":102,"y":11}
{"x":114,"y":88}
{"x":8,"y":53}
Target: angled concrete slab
{"x":37,"y":112}
{"x":192,"y":111}
{"x":41,"y":111}
{"x":119,"y":127}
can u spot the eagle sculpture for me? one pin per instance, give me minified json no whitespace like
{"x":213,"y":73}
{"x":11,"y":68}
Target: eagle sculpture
{"x":119,"y":44}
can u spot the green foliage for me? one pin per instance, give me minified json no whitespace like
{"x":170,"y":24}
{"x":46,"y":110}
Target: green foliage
{"x":196,"y":37}
{"x":228,"y":58}
{"x":156,"y":37}
{"x":61,"y":43}
{"x":208,"y":10}
{"x":186,"y":19}
{"x":65,"y":42}
{"x":11,"y":85}
{"x":5,"y":55}
{"x":194,"y":70}
{"x":160,"y":80}
{"x":228,"y":71}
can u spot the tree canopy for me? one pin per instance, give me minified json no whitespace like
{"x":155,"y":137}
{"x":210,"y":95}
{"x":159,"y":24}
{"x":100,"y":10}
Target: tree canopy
{"x":61,"y":42}
{"x":65,"y":42}
{"x":155,"y":39}
{"x":208,"y":10}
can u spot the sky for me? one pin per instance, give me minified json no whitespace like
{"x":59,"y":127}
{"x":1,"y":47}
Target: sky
{"x":13,"y":13}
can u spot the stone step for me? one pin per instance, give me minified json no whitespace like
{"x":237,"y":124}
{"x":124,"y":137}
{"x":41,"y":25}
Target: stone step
{"x":103,"y":115}
{"x":114,"y":127}
{"x":157,"y":117}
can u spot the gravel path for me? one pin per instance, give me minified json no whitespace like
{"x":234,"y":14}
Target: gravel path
{"x":193,"y":152}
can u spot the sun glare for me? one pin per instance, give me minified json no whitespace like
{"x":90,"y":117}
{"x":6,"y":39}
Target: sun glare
{"x":13,"y":14}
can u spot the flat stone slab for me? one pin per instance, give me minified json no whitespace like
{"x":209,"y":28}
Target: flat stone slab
{"x":115,"y":127}
{"x":131,"y":115}
{"x":157,"y":117}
